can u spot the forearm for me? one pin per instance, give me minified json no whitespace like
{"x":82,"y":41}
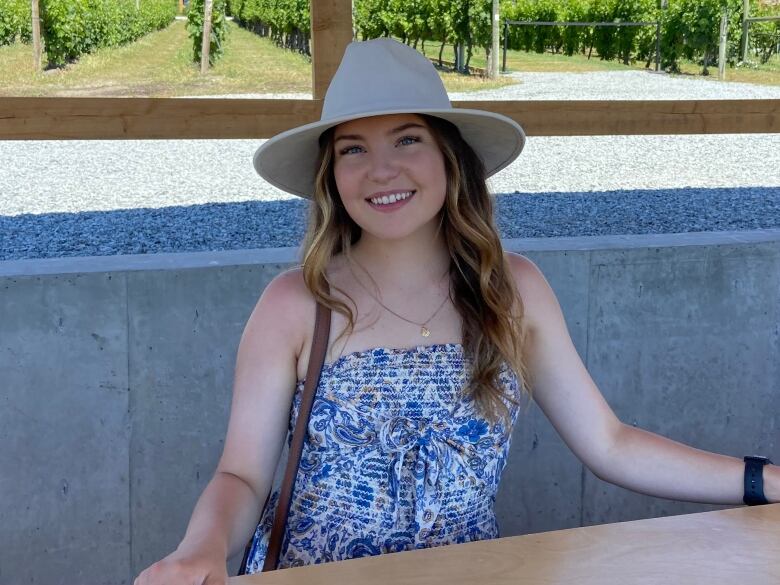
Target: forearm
{"x":224,"y":517}
{"x":654,"y":465}
{"x":772,"y":483}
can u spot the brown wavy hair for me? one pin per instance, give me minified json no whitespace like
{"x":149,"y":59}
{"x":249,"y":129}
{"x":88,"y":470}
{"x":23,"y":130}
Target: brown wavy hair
{"x":481,"y":284}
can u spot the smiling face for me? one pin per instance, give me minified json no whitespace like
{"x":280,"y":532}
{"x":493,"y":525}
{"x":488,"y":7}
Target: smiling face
{"x":390,"y":174}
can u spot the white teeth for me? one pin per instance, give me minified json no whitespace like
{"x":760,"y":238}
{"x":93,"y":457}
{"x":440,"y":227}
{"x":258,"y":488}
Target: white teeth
{"x":385,"y":199}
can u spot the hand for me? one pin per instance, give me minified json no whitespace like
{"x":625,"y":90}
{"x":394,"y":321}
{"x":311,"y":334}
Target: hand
{"x":186,"y":568}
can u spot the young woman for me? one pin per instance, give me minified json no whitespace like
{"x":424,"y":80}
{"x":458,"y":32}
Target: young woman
{"x":437,"y":336}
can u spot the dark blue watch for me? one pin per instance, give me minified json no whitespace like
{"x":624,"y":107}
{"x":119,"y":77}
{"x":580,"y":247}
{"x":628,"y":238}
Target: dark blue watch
{"x":754,"y":480}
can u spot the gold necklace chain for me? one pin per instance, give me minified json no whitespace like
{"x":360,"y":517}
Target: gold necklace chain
{"x":424,"y":331}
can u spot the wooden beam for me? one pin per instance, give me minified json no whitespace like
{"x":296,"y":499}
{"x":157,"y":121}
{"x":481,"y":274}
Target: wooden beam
{"x":172,"y":118}
{"x":633,"y":117}
{"x":331,"y":32}
{"x":150,"y":118}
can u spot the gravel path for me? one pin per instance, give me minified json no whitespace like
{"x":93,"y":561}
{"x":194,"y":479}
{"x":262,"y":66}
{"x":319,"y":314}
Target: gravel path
{"x":64,"y":198}
{"x":620,"y":85}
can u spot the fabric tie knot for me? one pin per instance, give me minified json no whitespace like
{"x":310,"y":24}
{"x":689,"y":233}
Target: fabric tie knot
{"x":401,"y":435}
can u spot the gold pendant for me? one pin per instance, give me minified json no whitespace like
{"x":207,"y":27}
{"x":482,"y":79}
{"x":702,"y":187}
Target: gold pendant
{"x":424,"y":331}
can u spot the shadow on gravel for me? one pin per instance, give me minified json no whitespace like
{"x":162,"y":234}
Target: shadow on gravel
{"x":271,"y":224}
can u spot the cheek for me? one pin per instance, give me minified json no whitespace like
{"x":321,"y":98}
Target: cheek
{"x":347,"y":190}
{"x":438,"y":173}
{"x":343,"y":179}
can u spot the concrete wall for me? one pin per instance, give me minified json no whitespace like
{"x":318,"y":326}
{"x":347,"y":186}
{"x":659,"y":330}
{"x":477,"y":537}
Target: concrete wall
{"x":115,"y":377}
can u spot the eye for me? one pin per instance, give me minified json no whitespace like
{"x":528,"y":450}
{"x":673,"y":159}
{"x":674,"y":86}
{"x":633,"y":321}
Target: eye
{"x":408,"y":140}
{"x":349,"y":149}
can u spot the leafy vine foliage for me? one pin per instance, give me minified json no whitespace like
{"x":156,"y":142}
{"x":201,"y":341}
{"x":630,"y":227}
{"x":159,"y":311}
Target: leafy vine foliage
{"x":689,"y":28}
{"x":219,"y":29}
{"x":71,"y":28}
{"x":286,"y":22}
{"x":15,"y":21}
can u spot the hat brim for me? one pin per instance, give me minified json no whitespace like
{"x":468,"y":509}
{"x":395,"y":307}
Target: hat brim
{"x":287,"y":160}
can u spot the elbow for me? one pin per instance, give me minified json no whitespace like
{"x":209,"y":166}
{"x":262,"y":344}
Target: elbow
{"x":233,"y":477}
{"x":605,"y":462}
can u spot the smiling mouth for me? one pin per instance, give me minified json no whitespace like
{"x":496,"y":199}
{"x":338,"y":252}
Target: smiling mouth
{"x":389,"y":200}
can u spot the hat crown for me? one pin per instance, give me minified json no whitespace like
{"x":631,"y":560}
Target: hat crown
{"x":381,"y":75}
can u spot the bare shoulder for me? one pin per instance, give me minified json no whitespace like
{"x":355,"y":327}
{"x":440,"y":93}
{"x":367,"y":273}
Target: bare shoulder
{"x":523,"y":269}
{"x":284,"y":308}
{"x":264,"y":380}
{"x":287,"y":290}
{"x":538,"y":298}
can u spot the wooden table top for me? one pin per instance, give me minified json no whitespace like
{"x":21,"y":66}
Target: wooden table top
{"x":725,"y":547}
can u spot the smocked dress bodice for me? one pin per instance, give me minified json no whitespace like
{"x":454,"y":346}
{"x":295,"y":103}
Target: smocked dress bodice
{"x":396,"y":458}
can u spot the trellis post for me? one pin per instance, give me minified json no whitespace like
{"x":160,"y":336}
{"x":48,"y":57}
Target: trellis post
{"x":206,"y":45}
{"x":36,"y":35}
{"x":745,"y":16}
{"x":724,"y":31}
{"x":506,"y":41}
{"x":493,"y":72}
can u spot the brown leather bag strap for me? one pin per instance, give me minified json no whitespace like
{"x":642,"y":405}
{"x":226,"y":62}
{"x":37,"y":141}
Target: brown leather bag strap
{"x":316,"y":359}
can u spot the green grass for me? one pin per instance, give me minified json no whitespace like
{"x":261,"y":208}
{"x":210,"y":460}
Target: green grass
{"x":159,"y":65}
{"x":766,"y":74}
{"x":524,"y":61}
{"x":521,"y":61}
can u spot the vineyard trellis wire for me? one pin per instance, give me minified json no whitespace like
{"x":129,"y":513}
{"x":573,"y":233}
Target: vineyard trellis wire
{"x":746,"y":22}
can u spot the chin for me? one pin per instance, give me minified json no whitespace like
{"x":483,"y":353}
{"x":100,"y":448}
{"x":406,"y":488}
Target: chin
{"x":394,"y":229}
{"x":389,"y":235}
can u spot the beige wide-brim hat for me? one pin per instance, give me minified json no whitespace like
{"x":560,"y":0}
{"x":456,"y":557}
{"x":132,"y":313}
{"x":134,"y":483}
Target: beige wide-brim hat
{"x":375,"y":78}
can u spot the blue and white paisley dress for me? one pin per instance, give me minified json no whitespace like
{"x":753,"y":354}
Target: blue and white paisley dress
{"x":396,"y":459}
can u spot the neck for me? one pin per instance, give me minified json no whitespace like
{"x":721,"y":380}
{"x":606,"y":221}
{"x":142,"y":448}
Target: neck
{"x":415,"y":262}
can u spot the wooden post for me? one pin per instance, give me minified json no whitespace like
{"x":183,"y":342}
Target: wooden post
{"x":331,"y":32}
{"x":724,"y":31}
{"x":506,"y":44}
{"x":36,"y":35}
{"x":493,"y":72}
{"x":204,"y":48}
{"x":745,"y":16}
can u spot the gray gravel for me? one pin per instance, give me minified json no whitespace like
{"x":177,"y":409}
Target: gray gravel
{"x":620,"y":85}
{"x":66,"y":198}
{"x":264,"y":224}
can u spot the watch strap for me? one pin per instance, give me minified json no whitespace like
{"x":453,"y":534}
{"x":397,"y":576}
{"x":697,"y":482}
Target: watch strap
{"x":754,"y":480}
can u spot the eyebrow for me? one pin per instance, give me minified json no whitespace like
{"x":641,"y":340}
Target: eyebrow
{"x":400,"y":128}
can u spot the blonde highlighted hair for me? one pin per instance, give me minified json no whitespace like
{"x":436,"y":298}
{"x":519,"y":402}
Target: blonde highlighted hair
{"x":481,"y":284}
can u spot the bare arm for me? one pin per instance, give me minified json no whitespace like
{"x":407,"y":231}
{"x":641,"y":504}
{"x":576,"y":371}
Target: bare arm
{"x":615,"y":452}
{"x":226,"y":513}
{"x":651,"y":464}
{"x":223,"y":518}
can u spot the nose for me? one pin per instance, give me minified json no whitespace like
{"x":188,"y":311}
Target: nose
{"x":383,"y":167}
